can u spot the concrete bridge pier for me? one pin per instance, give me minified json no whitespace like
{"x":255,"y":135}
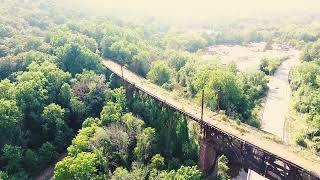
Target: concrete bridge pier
{"x":208,"y":154}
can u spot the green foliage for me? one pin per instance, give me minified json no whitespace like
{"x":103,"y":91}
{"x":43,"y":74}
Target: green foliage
{"x":78,"y":109}
{"x":54,"y":127}
{"x":91,"y":90}
{"x":47,"y":153}
{"x":42,"y":47}
{"x":117,"y":140}
{"x":111,"y":112}
{"x":307,"y":73}
{"x":306,"y":100}
{"x":31,"y":93}
{"x":254,"y":84}
{"x":120,"y":173}
{"x":157,"y":162}
{"x":61,"y":37}
{"x":145,"y":144}
{"x":111,"y":144}
{"x":81,"y":142}
{"x":301,"y":141}
{"x":160,"y":73}
{"x":311,"y":52}
{"x":191,"y":42}
{"x":177,"y":59}
{"x":7,"y":90}
{"x":55,"y":77}
{"x":128,"y":48}
{"x":223,"y":168}
{"x":65,"y":95}
{"x":269,"y":66}
{"x":174,"y":137}
{"x":123,"y":51}
{"x":4,"y":175}
{"x":116,"y":147}
{"x":75,"y":58}
{"x":36,"y":110}
{"x":13,"y":157}
{"x":120,"y":98}
{"x":133,"y":126}
{"x":13,"y":64}
{"x":305,"y":82}
{"x":83,"y":166}
{"x":90,"y":122}
{"x":186,"y":75}
{"x":10,"y":121}
{"x":53,"y":118}
{"x":222,"y":91}
{"x":31,"y":161}
{"x":185,"y":172}
{"x":136,"y":173}
{"x":237,"y":93}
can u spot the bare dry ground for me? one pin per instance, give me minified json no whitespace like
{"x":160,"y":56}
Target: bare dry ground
{"x":277,"y":102}
{"x":246,"y":57}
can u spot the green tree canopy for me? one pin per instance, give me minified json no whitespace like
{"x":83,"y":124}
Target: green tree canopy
{"x":160,"y":73}
{"x":91,"y":89}
{"x":13,"y":157}
{"x":145,"y":144}
{"x":75,"y":58}
{"x":83,"y":166}
{"x":10,"y":121}
{"x":7,"y":90}
{"x":111,"y":112}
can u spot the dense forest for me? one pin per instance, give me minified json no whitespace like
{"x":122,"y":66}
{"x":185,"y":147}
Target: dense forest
{"x":305,"y":81}
{"x":56,"y":97}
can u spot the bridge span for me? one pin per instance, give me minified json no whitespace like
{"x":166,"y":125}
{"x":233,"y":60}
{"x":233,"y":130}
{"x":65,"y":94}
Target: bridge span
{"x":255,"y":149}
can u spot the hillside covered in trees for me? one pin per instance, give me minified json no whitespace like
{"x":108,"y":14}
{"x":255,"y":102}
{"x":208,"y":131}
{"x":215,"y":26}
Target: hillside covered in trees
{"x":304,"y":81}
{"x":56,"y":97}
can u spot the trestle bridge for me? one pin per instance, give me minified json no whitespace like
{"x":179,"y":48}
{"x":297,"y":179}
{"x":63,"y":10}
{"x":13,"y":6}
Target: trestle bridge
{"x":254,"y":149}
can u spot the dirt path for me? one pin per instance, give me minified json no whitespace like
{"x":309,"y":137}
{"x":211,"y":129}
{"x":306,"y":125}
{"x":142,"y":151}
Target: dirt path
{"x":48,"y":172}
{"x":277,"y":102}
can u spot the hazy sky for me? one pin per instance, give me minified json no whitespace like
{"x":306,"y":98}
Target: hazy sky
{"x":175,"y":9}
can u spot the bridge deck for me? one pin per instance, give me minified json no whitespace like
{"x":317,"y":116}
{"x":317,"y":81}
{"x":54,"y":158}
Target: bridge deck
{"x":256,"y":138}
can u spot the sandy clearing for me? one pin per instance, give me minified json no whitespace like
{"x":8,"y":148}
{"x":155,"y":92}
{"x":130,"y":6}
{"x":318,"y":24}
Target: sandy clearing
{"x":246,"y":57}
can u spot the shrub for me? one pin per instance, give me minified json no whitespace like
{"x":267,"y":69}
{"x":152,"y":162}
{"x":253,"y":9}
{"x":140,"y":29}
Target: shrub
{"x":269,"y":66}
{"x":301,"y":141}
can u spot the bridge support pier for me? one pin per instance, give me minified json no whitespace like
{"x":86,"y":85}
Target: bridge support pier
{"x":129,"y":90}
{"x":208,"y":154}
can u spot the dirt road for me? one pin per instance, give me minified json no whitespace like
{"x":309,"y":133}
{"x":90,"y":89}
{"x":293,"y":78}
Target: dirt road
{"x":47,"y":173}
{"x":277,"y":102}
